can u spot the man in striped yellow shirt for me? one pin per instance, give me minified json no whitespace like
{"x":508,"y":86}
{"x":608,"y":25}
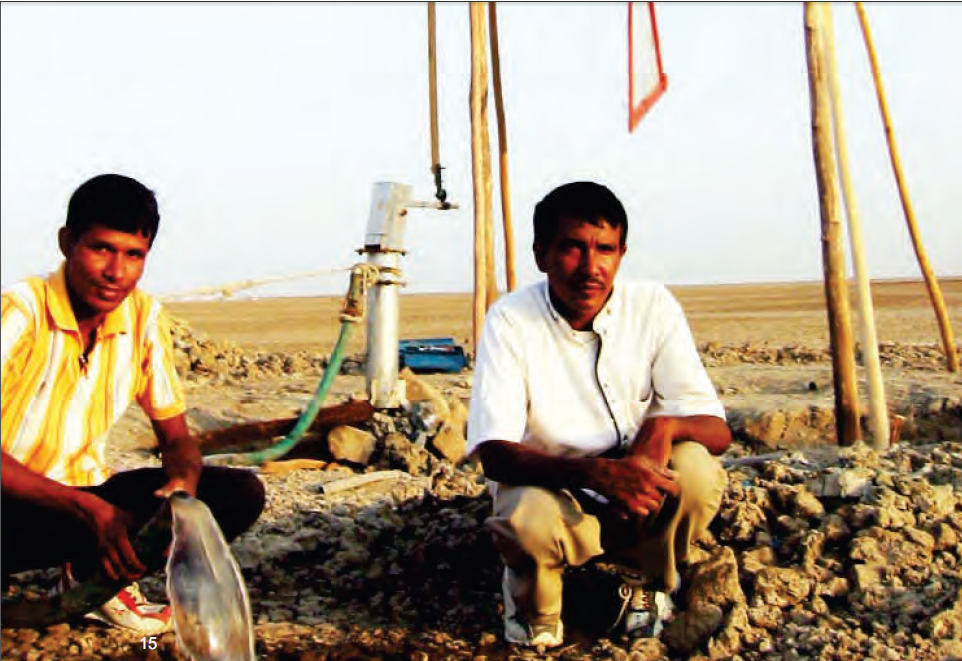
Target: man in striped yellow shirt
{"x":77,"y":348}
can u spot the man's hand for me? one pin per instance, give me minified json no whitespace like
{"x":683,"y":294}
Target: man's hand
{"x":637,"y":484}
{"x":654,"y":439}
{"x":110,"y":526}
{"x":174,"y":485}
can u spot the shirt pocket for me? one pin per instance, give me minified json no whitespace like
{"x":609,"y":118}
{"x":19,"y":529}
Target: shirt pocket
{"x":636,"y":411}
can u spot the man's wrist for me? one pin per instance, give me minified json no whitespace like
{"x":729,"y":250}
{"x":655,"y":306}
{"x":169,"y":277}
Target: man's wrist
{"x":84,"y":506}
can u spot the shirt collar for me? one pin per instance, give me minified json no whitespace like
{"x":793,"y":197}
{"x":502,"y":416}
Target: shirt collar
{"x":115,"y":322}
{"x":602,"y":320}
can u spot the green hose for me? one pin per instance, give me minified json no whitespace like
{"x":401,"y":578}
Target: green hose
{"x":304,"y":422}
{"x":351,"y":314}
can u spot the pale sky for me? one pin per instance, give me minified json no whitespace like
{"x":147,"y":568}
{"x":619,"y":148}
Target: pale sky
{"x":263,"y":127}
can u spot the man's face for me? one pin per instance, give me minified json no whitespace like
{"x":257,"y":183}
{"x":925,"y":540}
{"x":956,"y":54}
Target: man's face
{"x":581,"y":262}
{"x":103,"y":267}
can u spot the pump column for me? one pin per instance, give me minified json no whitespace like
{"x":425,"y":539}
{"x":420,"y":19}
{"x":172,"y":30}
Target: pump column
{"x":384,"y":245}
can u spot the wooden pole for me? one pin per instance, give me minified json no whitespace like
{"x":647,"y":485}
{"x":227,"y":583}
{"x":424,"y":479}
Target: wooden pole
{"x":833,"y":257}
{"x":242,"y":436}
{"x":433,"y":90}
{"x":878,"y":411}
{"x":931,"y":283}
{"x":502,"y":150}
{"x":481,"y":165}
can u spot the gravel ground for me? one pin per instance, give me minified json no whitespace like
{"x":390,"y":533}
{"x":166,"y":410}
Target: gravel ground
{"x":817,"y":552}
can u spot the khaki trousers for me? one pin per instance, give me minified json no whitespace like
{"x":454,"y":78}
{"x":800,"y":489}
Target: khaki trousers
{"x":539,"y":532}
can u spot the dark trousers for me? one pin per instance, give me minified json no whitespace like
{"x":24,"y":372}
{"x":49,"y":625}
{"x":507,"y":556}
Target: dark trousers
{"x":35,"y":537}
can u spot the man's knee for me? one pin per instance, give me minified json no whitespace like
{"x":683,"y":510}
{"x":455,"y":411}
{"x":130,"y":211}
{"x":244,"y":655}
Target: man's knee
{"x":701,"y":475}
{"x":527,"y":521}
{"x":235,"y":496}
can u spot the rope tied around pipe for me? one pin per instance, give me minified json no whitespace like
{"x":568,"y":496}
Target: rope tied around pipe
{"x":363,"y":277}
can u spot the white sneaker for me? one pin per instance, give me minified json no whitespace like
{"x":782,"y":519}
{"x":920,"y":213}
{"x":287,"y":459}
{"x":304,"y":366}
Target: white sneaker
{"x":128,"y":608}
{"x":517,"y":632}
{"x":540,"y":637}
{"x":131,"y":610}
{"x":645,"y":611}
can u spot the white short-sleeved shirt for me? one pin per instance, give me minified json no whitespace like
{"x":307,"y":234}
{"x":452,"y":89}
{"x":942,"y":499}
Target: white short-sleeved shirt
{"x":539,"y":382}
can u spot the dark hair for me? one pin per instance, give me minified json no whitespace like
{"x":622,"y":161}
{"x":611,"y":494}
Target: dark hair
{"x":584,"y":200}
{"x":114,"y":201}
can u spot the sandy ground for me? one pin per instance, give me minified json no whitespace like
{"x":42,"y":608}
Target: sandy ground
{"x":777,"y":314}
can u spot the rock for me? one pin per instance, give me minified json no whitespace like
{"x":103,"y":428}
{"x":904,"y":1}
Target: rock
{"x":876,"y":545}
{"x":419,"y":390}
{"x":945,"y":537}
{"x":754,"y":560}
{"x":449,"y":443}
{"x":692,"y":628}
{"x":715,"y":581}
{"x":429,"y":415}
{"x":766,"y":616}
{"x":647,"y":649}
{"x":939,"y":501}
{"x":459,"y":414}
{"x":741,"y":521}
{"x":812,"y":546}
{"x":351,"y":445}
{"x":842,"y":483}
{"x":399,"y":452}
{"x":805,"y":504}
{"x":834,"y":528}
{"x":781,"y":586}
{"x":867,"y":575}
{"x":893,"y":511}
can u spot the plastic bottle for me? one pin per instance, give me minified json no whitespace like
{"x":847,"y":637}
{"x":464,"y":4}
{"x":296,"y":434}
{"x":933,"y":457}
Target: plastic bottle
{"x":208,"y":599}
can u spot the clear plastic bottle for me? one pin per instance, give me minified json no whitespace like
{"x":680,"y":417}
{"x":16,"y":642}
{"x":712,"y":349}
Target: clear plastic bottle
{"x":208,"y":599}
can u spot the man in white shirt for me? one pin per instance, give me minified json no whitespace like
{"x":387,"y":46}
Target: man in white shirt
{"x":595,"y":420}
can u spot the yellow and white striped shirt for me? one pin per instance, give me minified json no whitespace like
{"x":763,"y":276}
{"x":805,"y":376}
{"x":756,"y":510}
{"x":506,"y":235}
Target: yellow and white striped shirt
{"x":55,"y":413}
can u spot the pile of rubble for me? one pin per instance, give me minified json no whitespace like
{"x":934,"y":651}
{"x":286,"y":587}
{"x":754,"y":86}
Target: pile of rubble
{"x":891,"y":355}
{"x":827,"y":554}
{"x":201,"y":359}
{"x":817,"y":553}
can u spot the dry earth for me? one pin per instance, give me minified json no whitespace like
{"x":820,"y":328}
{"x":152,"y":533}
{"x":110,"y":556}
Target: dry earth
{"x":817,"y":553}
{"x":778,"y":314}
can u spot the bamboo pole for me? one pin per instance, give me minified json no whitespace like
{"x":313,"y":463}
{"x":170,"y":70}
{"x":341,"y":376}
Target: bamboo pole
{"x":481,"y":165}
{"x":502,"y":150}
{"x":833,"y":257}
{"x":878,"y":411}
{"x":433,"y":99}
{"x":931,"y":283}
